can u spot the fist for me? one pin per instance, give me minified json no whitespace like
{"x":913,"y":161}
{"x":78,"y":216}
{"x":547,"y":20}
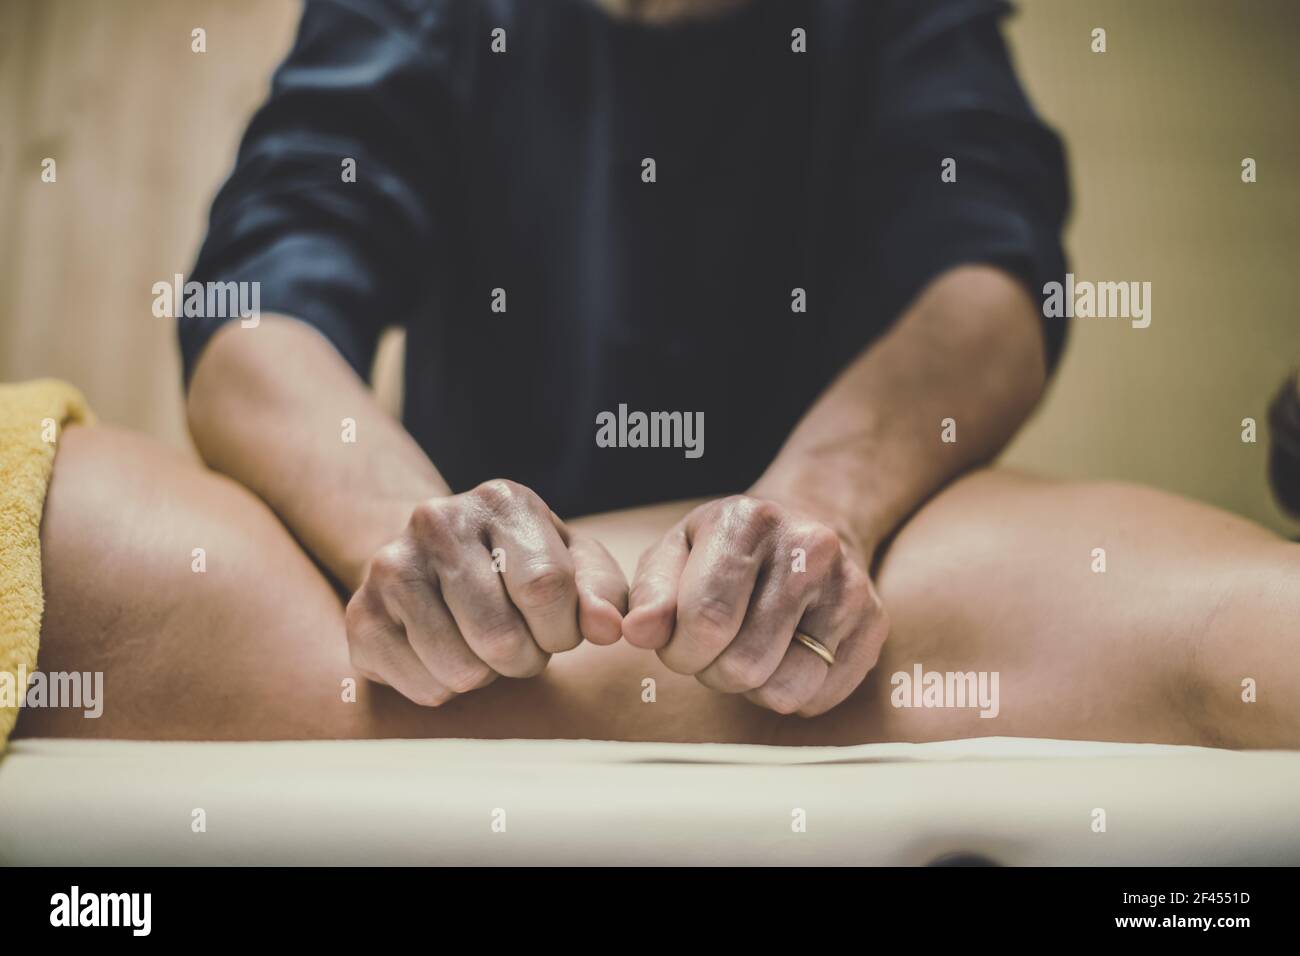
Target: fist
{"x":723,"y":594}
{"x":481,"y":584}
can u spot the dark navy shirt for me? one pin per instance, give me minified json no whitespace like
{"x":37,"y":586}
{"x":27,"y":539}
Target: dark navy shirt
{"x":523,"y":171}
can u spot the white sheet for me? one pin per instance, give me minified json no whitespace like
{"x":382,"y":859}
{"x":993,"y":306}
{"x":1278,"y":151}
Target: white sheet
{"x":433,"y":801}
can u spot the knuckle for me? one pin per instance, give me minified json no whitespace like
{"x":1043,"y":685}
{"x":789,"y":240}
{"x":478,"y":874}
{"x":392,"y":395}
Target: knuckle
{"x":368,"y":674}
{"x":464,"y":679}
{"x":357,"y":658}
{"x":431,"y":695}
{"x":501,"y":641}
{"x":741,"y":668}
{"x":794,"y":588}
{"x":358,"y":647}
{"x":673,"y":662}
{"x":563,"y":642}
{"x":880,"y":625}
{"x":844,"y":608}
{"x":780,"y":697}
{"x":856,"y":578}
{"x":708,"y":618}
{"x":842,"y":617}
{"x":355,"y":613}
{"x":498,"y":492}
{"x":765,"y":514}
{"x":544,"y":587}
{"x":388,"y":566}
{"x":734,"y":504}
{"x":431,"y":521}
{"x":754,"y":512}
{"x":737,"y":566}
{"x":533,"y":667}
{"x":848,"y":598}
{"x":365,"y":653}
{"x":362,"y":627}
{"x":822,"y":543}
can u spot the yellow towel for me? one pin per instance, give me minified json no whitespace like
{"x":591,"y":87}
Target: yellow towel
{"x":32,"y":416}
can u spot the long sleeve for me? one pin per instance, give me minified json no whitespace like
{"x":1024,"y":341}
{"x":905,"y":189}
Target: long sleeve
{"x":362,"y":83}
{"x":944,"y":89}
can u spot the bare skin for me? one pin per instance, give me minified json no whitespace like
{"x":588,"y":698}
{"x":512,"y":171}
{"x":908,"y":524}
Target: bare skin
{"x":993,"y":574}
{"x":715,"y":598}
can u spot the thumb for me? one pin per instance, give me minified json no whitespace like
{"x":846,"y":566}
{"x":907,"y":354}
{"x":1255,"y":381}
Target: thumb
{"x":602,"y":591}
{"x":649,"y":623}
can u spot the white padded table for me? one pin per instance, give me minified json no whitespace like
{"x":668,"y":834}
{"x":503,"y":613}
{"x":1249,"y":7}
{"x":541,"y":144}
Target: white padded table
{"x":1014,"y":801}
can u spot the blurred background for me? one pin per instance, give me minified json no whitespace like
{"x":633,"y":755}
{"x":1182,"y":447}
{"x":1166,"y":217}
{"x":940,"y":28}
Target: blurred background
{"x":143,"y":132}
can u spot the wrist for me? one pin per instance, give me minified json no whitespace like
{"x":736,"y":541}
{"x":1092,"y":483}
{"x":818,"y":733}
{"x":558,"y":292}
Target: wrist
{"x":383,"y":522}
{"x":848,"y":519}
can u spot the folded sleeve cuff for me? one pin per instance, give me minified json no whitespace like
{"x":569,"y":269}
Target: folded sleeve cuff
{"x":979,"y":231}
{"x":318,"y":279}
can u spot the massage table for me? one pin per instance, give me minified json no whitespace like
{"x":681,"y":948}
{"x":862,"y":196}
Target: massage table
{"x":997,"y":800}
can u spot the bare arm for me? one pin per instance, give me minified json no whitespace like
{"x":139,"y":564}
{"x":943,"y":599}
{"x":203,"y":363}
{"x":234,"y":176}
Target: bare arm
{"x":869,"y":452}
{"x":733,"y":590}
{"x":448,"y":591}
{"x":266,"y":407}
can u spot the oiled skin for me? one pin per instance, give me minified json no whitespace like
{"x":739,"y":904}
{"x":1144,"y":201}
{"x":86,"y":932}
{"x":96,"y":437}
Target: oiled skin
{"x":994,"y":574}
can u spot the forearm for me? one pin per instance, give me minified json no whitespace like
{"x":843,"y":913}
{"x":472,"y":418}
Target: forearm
{"x":266,"y":406}
{"x":871,"y":450}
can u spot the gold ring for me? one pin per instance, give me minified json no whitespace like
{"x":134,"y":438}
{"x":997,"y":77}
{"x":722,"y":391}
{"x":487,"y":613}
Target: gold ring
{"x":816,"y":646}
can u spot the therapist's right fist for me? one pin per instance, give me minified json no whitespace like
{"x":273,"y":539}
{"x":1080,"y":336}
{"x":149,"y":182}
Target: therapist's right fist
{"x":483,"y":584}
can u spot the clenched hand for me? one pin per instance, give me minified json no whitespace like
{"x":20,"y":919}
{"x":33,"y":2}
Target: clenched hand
{"x":723,"y":593}
{"x":481,"y":584}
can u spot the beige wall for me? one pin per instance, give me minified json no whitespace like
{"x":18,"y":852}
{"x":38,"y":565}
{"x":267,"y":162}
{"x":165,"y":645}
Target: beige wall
{"x":143,"y":130}
{"x":1156,"y":129}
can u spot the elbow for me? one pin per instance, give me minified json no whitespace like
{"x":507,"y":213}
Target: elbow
{"x":994,"y":329}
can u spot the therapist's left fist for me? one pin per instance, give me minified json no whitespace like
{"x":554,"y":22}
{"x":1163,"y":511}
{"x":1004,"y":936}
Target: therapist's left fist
{"x":754,"y":597}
